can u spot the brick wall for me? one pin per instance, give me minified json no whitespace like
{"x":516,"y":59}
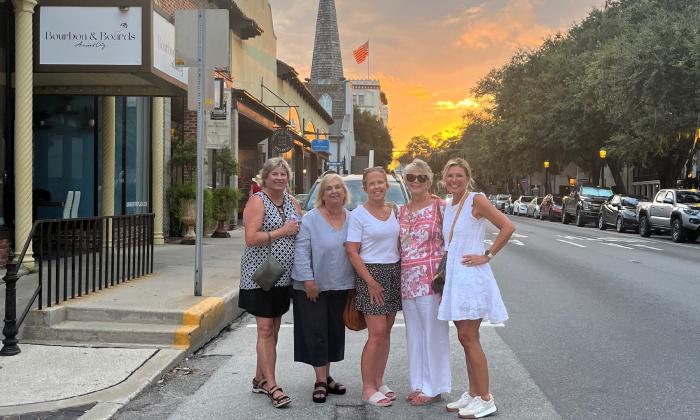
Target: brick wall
{"x":171,"y":6}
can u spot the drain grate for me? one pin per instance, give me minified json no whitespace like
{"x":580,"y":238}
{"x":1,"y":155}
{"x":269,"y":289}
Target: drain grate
{"x":350,"y":412}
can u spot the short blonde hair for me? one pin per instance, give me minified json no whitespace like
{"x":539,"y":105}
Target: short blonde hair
{"x":368,"y":171}
{"x":327,"y":179}
{"x":421,"y":167}
{"x":462,"y":164}
{"x":274,"y":163}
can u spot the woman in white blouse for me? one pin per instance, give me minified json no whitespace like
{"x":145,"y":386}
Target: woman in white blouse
{"x":373,"y":249}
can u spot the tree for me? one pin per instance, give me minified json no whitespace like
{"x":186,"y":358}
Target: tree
{"x":371,"y":134}
{"x":418,"y":147}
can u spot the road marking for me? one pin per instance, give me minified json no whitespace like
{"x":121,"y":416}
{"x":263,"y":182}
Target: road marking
{"x":514,"y":235}
{"x":516,"y":242}
{"x":571,"y":243}
{"x":616,"y":245}
{"x":647,"y":247}
{"x":579,"y":238}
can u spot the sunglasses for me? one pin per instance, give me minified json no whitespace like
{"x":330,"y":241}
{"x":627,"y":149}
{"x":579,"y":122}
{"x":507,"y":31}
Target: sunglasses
{"x":421,"y":178}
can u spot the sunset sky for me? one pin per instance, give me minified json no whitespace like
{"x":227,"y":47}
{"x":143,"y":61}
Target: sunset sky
{"x":427,"y":54}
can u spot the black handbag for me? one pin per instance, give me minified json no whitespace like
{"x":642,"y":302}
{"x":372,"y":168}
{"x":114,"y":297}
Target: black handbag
{"x":438,"y":283}
{"x":270,"y":271}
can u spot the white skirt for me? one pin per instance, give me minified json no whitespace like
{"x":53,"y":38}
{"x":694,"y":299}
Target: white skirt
{"x":471,"y":293}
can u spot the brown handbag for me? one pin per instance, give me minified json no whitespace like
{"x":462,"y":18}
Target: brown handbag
{"x":438,"y":283}
{"x":354,"y":319}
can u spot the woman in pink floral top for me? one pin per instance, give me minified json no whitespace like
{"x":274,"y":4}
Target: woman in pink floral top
{"x":422,"y":247}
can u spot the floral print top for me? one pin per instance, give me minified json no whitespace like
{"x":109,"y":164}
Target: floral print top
{"x":422,"y":248}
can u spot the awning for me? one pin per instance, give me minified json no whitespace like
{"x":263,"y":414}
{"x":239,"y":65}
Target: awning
{"x":256,"y":120}
{"x":96,"y":47}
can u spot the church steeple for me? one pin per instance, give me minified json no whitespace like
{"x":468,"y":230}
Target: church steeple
{"x":327,"y":62}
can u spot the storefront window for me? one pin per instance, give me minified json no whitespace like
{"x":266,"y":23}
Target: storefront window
{"x":133,"y":155}
{"x":64,"y":148}
{"x":5,"y":105}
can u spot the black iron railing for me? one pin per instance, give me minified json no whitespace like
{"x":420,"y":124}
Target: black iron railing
{"x":76,"y":257}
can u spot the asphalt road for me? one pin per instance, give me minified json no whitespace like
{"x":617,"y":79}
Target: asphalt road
{"x":603,"y":325}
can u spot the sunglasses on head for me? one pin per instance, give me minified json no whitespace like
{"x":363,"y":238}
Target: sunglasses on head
{"x":421,"y":178}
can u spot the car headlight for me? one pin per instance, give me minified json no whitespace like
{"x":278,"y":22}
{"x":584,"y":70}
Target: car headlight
{"x":586,"y":205}
{"x":690,"y":211}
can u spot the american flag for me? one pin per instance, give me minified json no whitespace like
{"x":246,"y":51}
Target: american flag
{"x":361,"y":53}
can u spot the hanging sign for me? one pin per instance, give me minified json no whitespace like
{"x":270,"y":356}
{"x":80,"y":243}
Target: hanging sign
{"x":282,"y":140}
{"x":319,"y":145}
{"x":219,"y":124}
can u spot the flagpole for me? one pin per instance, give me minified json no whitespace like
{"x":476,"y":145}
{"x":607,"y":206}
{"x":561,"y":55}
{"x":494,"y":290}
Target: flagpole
{"x":368,"y":57}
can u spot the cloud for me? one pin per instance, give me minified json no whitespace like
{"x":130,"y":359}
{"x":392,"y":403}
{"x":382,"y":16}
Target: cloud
{"x":512,"y":27}
{"x":463,"y":104}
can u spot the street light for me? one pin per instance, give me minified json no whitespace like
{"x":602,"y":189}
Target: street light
{"x":602,"y":153}
{"x":546,"y":176}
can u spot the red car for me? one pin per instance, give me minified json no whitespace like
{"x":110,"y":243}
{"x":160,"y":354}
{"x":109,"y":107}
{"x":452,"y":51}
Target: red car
{"x":551,"y":207}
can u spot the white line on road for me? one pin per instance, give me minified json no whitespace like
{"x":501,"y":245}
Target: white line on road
{"x":516,"y":242}
{"x":648,"y":247}
{"x":571,"y":243}
{"x":616,"y":245}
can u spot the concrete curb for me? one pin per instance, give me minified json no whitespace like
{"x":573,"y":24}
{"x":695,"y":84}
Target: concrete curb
{"x":115,"y":396}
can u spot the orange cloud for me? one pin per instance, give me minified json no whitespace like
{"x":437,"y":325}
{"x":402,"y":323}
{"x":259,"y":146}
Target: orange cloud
{"x":463,"y":104}
{"x":512,"y":27}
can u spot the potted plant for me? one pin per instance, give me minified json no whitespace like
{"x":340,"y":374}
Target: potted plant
{"x":183,"y":205}
{"x":225,"y":203}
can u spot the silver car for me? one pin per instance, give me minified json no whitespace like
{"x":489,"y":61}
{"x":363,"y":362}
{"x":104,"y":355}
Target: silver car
{"x":520,"y":205}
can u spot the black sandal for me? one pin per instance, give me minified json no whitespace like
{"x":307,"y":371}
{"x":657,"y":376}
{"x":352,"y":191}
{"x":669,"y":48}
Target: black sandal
{"x":320,"y":392}
{"x":281,"y":400}
{"x":258,"y":386}
{"x":335,"y":387}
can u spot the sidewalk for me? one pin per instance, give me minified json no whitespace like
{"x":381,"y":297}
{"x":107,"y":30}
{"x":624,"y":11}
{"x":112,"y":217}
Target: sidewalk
{"x":106,"y":347}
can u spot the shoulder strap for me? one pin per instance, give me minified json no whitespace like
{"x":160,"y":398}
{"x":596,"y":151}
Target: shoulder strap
{"x":459,"y":210}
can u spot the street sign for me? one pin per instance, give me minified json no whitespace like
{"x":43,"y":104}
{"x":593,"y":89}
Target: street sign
{"x":319,"y":145}
{"x":192,"y":98}
{"x":216,"y":36}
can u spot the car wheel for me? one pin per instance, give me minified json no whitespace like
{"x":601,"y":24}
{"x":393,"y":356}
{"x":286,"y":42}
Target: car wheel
{"x":579,"y":218}
{"x":678,"y":232}
{"x":619,"y":226}
{"x":564,"y":219}
{"x":601,"y":222}
{"x":551,"y":216}
{"x":644,"y":226}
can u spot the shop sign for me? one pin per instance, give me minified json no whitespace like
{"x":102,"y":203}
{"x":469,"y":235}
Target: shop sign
{"x":319,"y":145}
{"x":283,"y":140}
{"x":90,"y":36}
{"x":164,"y":49}
{"x":219,"y":124}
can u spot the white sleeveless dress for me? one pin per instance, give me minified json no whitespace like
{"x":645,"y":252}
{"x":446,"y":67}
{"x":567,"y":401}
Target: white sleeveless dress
{"x":470,"y":292}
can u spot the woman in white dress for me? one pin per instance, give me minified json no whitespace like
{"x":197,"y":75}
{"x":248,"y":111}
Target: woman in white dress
{"x":471,"y":293}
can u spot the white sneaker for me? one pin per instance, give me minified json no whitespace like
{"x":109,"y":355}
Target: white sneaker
{"x":478,"y":408}
{"x":462,"y":402}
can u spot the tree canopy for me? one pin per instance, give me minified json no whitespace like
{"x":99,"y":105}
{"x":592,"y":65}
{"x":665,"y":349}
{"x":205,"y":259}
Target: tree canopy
{"x":371,"y":134}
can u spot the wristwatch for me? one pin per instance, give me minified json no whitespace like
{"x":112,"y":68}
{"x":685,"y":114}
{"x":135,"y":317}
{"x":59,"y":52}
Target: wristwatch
{"x":488,"y":254}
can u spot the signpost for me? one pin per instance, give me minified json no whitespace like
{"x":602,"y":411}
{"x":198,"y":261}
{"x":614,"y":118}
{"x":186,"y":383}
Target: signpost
{"x":207,"y":50}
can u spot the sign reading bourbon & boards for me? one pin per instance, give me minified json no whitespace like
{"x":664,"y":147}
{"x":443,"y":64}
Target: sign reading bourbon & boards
{"x":90,"y":35}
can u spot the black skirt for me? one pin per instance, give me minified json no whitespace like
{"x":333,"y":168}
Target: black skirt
{"x":319,"y":330}
{"x":389,"y":277}
{"x":271,"y":304}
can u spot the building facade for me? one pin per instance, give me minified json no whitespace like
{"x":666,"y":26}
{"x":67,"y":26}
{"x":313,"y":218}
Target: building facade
{"x":367,"y":95}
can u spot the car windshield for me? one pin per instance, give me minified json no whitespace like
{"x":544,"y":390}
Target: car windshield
{"x":557,"y":200}
{"x":596,"y":192}
{"x":539,"y":200}
{"x":526,"y":198}
{"x":688,"y":197}
{"x":502,"y":197}
{"x":358,"y":196}
{"x":630,"y":201}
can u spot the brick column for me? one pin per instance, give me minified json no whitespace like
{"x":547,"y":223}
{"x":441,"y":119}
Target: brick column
{"x":24,"y":105}
{"x":108,"y":154}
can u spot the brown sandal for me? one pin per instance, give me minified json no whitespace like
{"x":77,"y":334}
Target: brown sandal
{"x":320,"y":392}
{"x":279,"y":401}
{"x":336,"y":388}
{"x":258,"y":386}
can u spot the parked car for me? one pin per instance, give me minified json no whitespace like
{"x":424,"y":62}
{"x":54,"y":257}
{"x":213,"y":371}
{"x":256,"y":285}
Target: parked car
{"x":520,"y":205}
{"x":619,"y":211}
{"x":551,"y":207}
{"x":533,"y":208}
{"x":501,"y":200}
{"x":677,"y":211}
{"x":397,"y":192}
{"x":508,"y":206}
{"x":583,"y":204}
{"x":492,"y":198}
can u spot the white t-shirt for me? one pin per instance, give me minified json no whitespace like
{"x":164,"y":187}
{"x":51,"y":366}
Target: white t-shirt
{"x":379,"y":239}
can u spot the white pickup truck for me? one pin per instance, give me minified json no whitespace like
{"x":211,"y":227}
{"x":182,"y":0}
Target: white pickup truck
{"x":677,"y":211}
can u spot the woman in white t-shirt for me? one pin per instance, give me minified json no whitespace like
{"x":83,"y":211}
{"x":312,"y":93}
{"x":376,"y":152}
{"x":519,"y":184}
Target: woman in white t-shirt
{"x":373,"y":249}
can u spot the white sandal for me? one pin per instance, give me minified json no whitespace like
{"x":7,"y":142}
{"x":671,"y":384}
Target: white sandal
{"x":386,"y":390}
{"x":376,"y":398}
